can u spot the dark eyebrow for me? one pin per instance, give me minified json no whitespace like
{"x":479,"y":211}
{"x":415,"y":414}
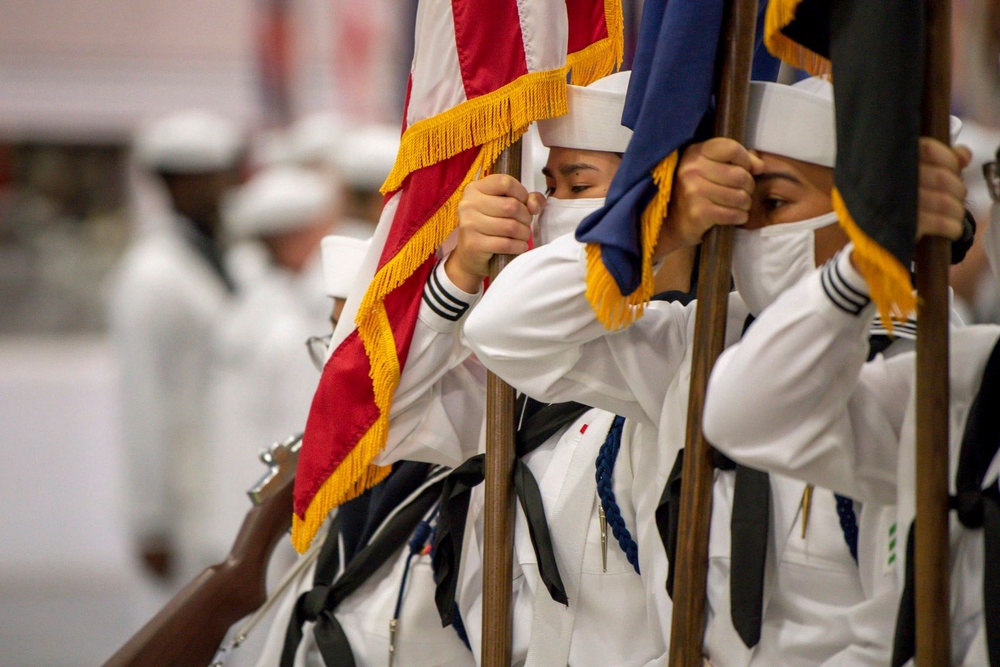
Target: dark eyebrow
{"x":778,"y":175}
{"x":568,"y":169}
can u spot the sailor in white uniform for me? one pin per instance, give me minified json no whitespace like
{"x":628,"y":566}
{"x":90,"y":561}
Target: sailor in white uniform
{"x":167,"y":298}
{"x":437,"y":415}
{"x":854,"y":422}
{"x":261,"y":381}
{"x":384,"y":597}
{"x":536,"y":330}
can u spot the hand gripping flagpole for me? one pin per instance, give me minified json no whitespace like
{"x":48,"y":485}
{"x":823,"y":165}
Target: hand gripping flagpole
{"x":498,"y":563}
{"x":931,"y":552}
{"x":691,"y":569}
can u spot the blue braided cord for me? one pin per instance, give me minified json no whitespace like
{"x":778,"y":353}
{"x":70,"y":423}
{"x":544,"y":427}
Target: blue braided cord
{"x":418,"y":541}
{"x":848,"y":523}
{"x":605,"y":471}
{"x":420,"y":537}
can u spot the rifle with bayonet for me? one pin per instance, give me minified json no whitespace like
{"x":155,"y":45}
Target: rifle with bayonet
{"x":190,"y":628}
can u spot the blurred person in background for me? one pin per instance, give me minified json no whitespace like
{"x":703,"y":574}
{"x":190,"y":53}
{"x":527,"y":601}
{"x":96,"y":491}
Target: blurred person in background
{"x":373,"y":552}
{"x":261,"y":381}
{"x":976,"y":95}
{"x":363,"y":158}
{"x":314,"y":139}
{"x":168,"y":295}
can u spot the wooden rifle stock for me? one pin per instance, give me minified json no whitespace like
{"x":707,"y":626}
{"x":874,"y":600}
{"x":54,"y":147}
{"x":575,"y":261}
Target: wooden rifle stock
{"x":190,"y":628}
{"x":930,"y":531}
{"x":688,"y":624}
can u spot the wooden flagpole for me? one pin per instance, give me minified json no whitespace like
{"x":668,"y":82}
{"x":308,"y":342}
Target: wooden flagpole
{"x":691,"y":567}
{"x":931,"y":552}
{"x":498,"y":557}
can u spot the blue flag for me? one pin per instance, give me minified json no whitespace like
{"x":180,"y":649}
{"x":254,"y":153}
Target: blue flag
{"x":670,"y":97}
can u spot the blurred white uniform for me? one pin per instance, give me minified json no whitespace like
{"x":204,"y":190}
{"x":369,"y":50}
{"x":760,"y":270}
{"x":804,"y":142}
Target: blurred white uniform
{"x":261,"y":378}
{"x":261,"y":386}
{"x":365,"y":615}
{"x":166,"y":305}
{"x":166,"y":302}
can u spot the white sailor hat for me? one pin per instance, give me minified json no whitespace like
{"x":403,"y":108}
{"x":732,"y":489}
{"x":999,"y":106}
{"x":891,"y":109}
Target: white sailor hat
{"x":277,"y":200}
{"x":342,"y":257}
{"x":594,"y":121}
{"x":190,"y":141}
{"x":317,"y":137}
{"x":270,"y":148}
{"x":366,"y":155}
{"x":798,"y":121}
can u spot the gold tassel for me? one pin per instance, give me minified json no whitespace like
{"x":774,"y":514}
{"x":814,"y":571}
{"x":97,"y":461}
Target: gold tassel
{"x":613,"y":309}
{"x":604,"y":56}
{"x":779,"y":14}
{"x":356,"y":473}
{"x":888,"y":280}
{"x":479,"y":121}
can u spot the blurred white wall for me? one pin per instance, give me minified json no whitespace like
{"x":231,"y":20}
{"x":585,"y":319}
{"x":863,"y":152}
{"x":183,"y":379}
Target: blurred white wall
{"x":69,"y":591}
{"x":90,"y":70}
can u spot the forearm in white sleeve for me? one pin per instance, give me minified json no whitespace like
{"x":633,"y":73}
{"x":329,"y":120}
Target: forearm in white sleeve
{"x":796,"y":397}
{"x":437,"y":410}
{"x":535,"y":329}
{"x":436,"y":346}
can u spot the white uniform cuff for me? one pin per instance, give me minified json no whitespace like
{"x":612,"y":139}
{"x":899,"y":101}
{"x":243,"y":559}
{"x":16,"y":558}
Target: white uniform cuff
{"x":444,"y":304}
{"x":843,"y":285}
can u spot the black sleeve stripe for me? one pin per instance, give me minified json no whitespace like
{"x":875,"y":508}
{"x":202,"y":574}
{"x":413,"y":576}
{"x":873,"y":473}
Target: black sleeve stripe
{"x":451,"y":317}
{"x":431,"y":292}
{"x":860,"y":296}
{"x":843,"y":296}
{"x":836,"y":298}
{"x":440,"y":288}
{"x":907,"y":327}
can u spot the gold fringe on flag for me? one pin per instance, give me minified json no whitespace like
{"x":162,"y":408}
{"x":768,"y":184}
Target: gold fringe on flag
{"x":479,"y":121}
{"x":779,"y":14}
{"x":888,"y":280}
{"x":356,"y":473}
{"x":604,"y":56}
{"x":613,"y":309}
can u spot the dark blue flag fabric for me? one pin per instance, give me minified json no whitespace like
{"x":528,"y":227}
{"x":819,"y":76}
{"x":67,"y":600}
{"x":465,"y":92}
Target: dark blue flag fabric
{"x":670,"y":96}
{"x":878,"y":123}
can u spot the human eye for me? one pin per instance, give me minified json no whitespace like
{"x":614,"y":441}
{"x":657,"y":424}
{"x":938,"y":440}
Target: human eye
{"x":773,"y":203}
{"x":580,"y":188}
{"x":550,"y":186}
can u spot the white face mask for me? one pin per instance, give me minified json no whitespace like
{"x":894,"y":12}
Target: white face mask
{"x":991,"y":241}
{"x":563,"y":216}
{"x":769,"y":260}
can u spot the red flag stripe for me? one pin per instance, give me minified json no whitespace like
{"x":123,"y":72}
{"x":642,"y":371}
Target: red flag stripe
{"x":489,"y":43}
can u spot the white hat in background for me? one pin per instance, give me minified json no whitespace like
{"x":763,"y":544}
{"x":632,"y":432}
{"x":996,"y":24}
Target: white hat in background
{"x":276,"y":200}
{"x":270,"y":148}
{"x":342,"y":257}
{"x":366,"y":155}
{"x":594,"y":121}
{"x":189,"y":142}
{"x":316,"y":137}
{"x":798,"y":121}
